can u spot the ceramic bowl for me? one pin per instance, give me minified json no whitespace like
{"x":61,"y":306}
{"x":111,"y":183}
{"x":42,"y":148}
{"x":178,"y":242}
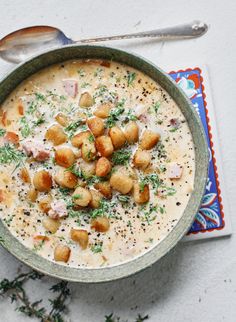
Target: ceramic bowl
{"x":87,"y":275}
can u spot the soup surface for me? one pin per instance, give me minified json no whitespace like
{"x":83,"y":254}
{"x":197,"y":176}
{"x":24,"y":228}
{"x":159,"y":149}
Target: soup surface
{"x":96,"y":163}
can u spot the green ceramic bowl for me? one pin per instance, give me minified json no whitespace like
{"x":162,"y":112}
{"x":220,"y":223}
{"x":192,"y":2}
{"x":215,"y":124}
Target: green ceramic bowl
{"x":35,"y":261}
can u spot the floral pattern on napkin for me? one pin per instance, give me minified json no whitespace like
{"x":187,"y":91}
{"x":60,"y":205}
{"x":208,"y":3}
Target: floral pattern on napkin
{"x":210,"y":216}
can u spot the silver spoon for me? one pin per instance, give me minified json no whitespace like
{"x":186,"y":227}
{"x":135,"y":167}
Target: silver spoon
{"x":23,"y":43}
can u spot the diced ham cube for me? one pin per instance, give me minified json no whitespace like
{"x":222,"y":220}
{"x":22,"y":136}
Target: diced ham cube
{"x":36,"y":149}
{"x":71,"y":87}
{"x":58,"y":209}
{"x":175,"y":171}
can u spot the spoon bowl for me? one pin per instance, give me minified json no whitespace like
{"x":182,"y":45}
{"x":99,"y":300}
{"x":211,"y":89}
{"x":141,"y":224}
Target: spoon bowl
{"x":19,"y":45}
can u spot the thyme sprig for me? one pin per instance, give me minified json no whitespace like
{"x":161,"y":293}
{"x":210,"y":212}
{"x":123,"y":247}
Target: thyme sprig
{"x":14,"y":289}
{"x":112,"y":318}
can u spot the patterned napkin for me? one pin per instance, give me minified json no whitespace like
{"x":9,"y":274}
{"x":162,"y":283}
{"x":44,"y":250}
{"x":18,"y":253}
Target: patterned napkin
{"x":212,"y":219}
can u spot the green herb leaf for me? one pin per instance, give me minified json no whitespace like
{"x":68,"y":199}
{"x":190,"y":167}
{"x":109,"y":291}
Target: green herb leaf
{"x":64,"y":191}
{"x":123,"y":199}
{"x":81,"y":72}
{"x":152,"y":178}
{"x":9,"y":154}
{"x":121,"y":157}
{"x":72,"y":127}
{"x":77,"y":196}
{"x":130,"y":78}
{"x":97,"y":248}
{"x":24,"y":129}
{"x":2,"y":132}
{"x":156,"y":106}
{"x":91,"y":138}
{"x":40,"y":121}
{"x":84,"y":85}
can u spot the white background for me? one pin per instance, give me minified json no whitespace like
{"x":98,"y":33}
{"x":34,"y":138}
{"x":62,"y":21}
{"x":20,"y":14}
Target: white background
{"x":197,"y":281}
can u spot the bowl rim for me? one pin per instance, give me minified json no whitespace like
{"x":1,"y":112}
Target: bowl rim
{"x":144,"y":260}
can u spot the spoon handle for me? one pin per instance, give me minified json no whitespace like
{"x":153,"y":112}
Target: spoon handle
{"x":189,"y":30}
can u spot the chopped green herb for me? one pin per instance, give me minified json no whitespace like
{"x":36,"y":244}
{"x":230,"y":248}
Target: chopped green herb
{"x":75,"y":214}
{"x":121,"y":157}
{"x":150,"y":240}
{"x":156,"y":106}
{"x":174,"y":129}
{"x":130,"y":116}
{"x":64,"y":191}
{"x":38,"y":246}
{"x":32,"y":108}
{"x":2,"y":132}
{"x":9,"y":154}
{"x":72,"y":127}
{"x":98,"y":72}
{"x":167,"y":191}
{"x":152,"y":178}
{"x":77,"y":196}
{"x":103,"y":210}
{"x":91,"y":138}
{"x":130,"y":78}
{"x":114,"y":116}
{"x":24,"y":129}
{"x":40,"y":121}
{"x":123,"y":199}
{"x":40,"y":96}
{"x":84,"y":85}
{"x":148,"y":215}
{"x":75,"y":170}
{"x":97,"y":248}
{"x":81,"y":72}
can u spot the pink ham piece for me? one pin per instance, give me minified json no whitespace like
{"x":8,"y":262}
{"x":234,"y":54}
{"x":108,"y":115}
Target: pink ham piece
{"x":58,"y":209}
{"x":175,"y":171}
{"x":36,"y":149}
{"x":71,"y":87}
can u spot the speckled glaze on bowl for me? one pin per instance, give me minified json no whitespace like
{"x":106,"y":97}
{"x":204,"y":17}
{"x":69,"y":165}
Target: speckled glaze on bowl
{"x":87,"y":275}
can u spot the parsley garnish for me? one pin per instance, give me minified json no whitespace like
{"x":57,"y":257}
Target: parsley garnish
{"x":77,"y":196}
{"x":156,"y":106}
{"x":24,"y":129}
{"x":84,"y":85}
{"x":103,"y":210}
{"x":91,"y":138}
{"x":9,"y":154}
{"x":64,"y":191}
{"x":121,"y":157}
{"x":130,"y":78}
{"x":148,"y":215}
{"x":2,"y":132}
{"x":152,"y":178}
{"x":76,"y":171}
{"x":72,"y":127}
{"x":81,"y":72}
{"x":123,"y":199}
{"x":38,"y":246}
{"x":39,"y":121}
{"x":97,"y":248}
{"x":98,"y":72}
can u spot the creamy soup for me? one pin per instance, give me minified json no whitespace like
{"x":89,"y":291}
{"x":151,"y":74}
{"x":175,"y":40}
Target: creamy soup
{"x":97,"y":163}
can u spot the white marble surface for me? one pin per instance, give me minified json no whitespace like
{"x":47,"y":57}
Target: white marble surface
{"x":197,"y":281}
